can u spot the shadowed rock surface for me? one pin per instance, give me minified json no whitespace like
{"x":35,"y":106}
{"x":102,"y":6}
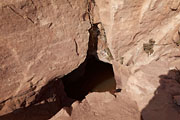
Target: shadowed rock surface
{"x":163,"y":105}
{"x":91,"y":76}
{"x":47,"y":103}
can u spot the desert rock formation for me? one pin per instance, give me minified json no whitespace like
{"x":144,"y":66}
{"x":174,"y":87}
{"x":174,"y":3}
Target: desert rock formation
{"x":43,"y":40}
{"x":40,"y":41}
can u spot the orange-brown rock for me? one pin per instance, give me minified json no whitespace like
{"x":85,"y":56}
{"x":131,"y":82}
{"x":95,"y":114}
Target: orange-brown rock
{"x":102,"y":106}
{"x":131,"y":27}
{"x":40,"y":40}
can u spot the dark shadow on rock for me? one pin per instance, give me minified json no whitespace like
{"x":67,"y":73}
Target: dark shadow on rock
{"x":50,"y":99}
{"x":163,"y":106}
{"x":53,"y":92}
{"x":35,"y":112}
{"x":92,"y":76}
{"x":93,"y":40}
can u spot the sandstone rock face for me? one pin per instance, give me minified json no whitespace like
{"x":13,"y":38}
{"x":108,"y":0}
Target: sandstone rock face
{"x":143,"y":37}
{"x":40,"y":40}
{"x":129,"y":25}
{"x":102,"y":106}
{"x":48,"y":102}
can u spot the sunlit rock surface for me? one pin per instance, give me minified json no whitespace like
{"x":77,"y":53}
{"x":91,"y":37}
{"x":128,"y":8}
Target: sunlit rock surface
{"x":129,"y":26}
{"x":102,"y":106}
{"x":40,"y":40}
{"x":140,"y":38}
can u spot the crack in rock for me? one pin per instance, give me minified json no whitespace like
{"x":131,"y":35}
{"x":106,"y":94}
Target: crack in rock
{"x":76,"y":47}
{"x":17,"y":13}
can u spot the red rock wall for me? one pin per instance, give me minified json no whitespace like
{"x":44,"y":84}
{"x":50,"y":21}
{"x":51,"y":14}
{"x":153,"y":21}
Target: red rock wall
{"x":40,"y":40}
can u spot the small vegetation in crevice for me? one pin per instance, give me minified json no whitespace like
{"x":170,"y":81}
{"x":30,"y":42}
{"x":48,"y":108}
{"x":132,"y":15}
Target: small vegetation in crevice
{"x":148,"y":47}
{"x":121,"y":60}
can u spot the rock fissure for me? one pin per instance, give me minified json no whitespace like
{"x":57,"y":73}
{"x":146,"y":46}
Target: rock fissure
{"x":76,"y":45}
{"x":90,"y":8}
{"x":98,"y":45}
{"x":17,"y":13}
{"x":84,"y":79}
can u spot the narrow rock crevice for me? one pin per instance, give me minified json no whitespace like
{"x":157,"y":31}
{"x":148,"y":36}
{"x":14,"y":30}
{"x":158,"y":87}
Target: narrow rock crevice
{"x":93,"y":75}
{"x":93,"y":40}
{"x":26,"y":17}
{"x":76,"y":45}
{"x":98,"y":45}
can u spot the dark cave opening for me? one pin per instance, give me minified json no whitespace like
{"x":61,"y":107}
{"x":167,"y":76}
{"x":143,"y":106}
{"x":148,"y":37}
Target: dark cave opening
{"x":91,"y":76}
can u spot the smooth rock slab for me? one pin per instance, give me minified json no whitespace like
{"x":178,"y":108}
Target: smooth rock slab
{"x":103,"y":106}
{"x":40,"y":40}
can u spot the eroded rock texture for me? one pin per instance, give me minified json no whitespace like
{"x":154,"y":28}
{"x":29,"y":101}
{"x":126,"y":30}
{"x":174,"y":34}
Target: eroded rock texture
{"x":143,"y":37}
{"x":40,"y":40}
{"x":101,"y":106}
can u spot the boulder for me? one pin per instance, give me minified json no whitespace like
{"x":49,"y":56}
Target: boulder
{"x":40,"y":41}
